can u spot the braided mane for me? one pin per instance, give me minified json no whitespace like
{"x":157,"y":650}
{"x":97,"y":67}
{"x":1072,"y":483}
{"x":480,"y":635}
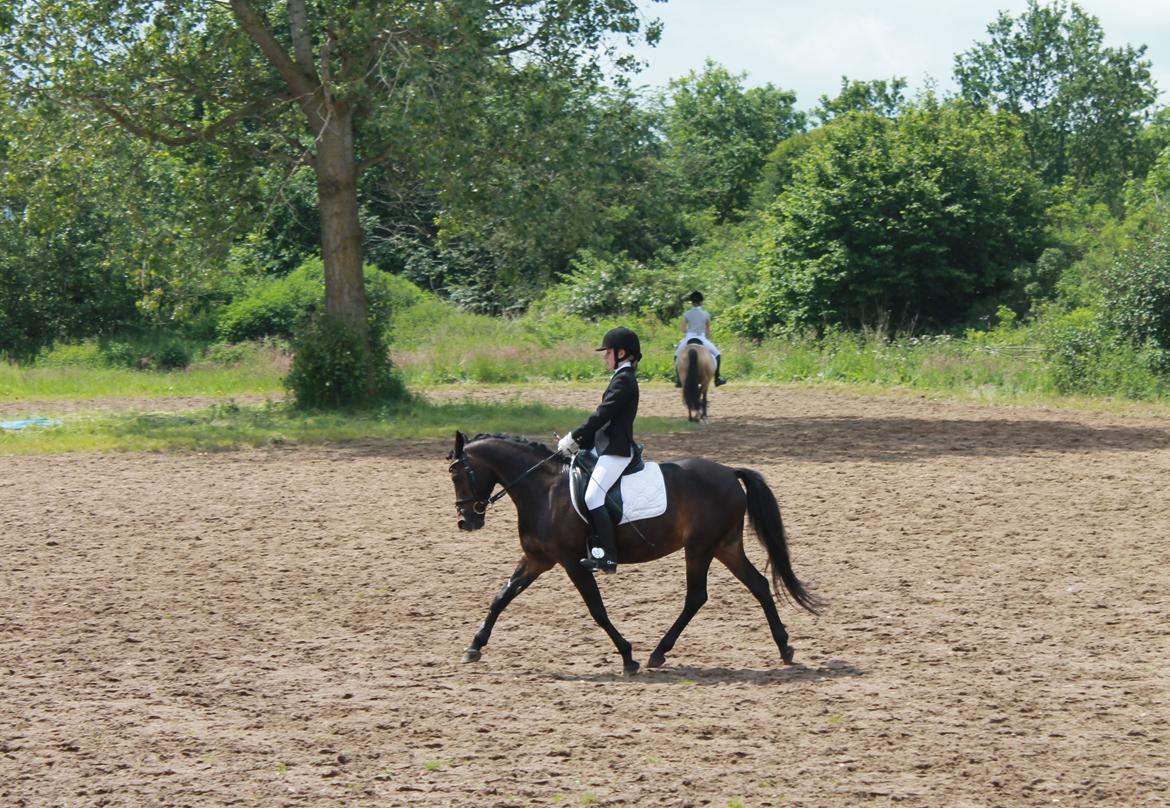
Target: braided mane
{"x":536,"y":446}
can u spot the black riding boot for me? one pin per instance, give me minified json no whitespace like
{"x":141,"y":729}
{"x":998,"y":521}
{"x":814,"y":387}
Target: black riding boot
{"x":602,"y":542}
{"x":719,"y":379}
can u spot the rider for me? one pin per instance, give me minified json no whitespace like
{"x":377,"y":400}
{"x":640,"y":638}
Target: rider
{"x":696,"y":324}
{"x":609,"y":434}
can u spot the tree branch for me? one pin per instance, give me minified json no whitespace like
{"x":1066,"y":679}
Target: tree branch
{"x":207,"y":134}
{"x":298,"y":23}
{"x":379,"y":158}
{"x":301,"y":85}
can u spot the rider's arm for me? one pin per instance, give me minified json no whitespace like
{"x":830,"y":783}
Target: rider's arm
{"x":618,"y":394}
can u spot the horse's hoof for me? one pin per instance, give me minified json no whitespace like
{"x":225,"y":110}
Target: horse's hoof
{"x":656,"y":661}
{"x":787,"y":653}
{"x":471,"y":655}
{"x":630,"y":668}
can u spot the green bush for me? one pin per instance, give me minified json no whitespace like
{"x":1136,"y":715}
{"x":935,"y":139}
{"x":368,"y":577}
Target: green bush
{"x":120,"y":354}
{"x":332,"y":368}
{"x":274,"y":307}
{"x":907,"y":223}
{"x":1136,"y":295}
{"x":277,"y":307}
{"x":172,"y":355}
{"x":82,"y":354}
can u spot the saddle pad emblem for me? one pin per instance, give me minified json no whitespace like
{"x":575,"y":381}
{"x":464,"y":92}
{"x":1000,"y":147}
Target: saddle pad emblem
{"x":643,"y":495}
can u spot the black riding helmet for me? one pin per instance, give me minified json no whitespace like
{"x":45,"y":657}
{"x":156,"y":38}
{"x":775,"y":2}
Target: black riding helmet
{"x":696,"y":298}
{"x":622,"y":338}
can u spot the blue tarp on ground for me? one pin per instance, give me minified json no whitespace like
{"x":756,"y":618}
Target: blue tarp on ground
{"x":27,"y":422}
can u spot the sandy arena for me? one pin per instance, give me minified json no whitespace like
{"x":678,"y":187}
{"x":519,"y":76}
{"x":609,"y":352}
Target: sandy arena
{"x":284,"y":627}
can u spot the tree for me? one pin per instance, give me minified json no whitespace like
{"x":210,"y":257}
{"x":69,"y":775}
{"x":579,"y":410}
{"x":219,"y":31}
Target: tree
{"x":1136,"y":300}
{"x":878,"y":96}
{"x":101,"y":232}
{"x":719,"y":134}
{"x":340,"y":87}
{"x":1081,"y":104}
{"x":908,"y":221}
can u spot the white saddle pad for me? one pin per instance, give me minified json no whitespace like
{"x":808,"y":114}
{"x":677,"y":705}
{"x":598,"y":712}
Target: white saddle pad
{"x":643,"y":495}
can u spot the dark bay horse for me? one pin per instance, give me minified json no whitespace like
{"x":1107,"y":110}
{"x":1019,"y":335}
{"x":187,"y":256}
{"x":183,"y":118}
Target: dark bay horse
{"x":705,"y":518}
{"x":696,"y":369}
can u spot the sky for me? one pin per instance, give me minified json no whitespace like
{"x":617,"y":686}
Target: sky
{"x":808,"y":45}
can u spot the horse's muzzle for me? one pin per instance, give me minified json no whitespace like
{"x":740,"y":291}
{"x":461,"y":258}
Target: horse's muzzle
{"x":470,"y":523}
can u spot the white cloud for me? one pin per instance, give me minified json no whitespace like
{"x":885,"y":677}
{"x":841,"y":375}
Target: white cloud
{"x":807,"y":46}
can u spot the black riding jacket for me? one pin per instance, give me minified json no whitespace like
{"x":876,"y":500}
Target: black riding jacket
{"x":611,"y":427}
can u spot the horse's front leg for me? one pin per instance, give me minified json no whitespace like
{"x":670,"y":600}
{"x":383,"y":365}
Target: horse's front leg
{"x":587,"y":586}
{"x":527,"y":571}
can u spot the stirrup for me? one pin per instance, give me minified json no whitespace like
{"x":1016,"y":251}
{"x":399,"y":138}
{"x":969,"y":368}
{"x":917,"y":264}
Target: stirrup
{"x":606,"y":565}
{"x":719,"y":380}
{"x":599,"y":562}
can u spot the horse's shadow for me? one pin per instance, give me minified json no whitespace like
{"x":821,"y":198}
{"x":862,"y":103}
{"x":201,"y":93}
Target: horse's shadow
{"x":684,"y":675}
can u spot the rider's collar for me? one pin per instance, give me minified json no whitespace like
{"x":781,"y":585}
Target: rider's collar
{"x":625,"y":364}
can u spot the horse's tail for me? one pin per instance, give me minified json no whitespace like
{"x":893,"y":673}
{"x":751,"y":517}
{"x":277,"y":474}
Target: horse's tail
{"x":691,"y":382}
{"x":764,"y":515}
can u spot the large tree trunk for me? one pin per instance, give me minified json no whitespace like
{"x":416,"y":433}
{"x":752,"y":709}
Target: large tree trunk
{"x":341,"y":234}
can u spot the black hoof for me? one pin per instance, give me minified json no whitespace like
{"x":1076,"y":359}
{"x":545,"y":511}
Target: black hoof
{"x":471,"y":655}
{"x":656,"y":661}
{"x":630,"y":668}
{"x":786,"y":653}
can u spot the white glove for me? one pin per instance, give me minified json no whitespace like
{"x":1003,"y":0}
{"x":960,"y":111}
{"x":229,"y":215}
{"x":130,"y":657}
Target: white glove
{"x":567,"y":446}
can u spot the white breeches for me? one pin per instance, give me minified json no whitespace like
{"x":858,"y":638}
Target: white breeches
{"x":609,"y":468}
{"x":683,"y":343}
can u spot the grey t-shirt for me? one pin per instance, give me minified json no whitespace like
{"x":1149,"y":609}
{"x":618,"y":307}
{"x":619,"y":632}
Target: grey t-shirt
{"x":696,"y":320}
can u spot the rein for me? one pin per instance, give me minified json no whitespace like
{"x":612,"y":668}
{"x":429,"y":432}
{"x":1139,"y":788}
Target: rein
{"x":480,"y":506}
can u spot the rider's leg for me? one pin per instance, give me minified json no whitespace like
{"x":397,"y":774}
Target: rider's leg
{"x":719,"y":379}
{"x":603,"y":556}
{"x":606,"y":473}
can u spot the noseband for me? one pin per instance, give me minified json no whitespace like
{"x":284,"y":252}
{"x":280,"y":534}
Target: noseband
{"x":480,"y":506}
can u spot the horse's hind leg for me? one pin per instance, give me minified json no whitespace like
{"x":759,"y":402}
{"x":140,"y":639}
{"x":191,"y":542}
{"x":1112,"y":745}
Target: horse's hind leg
{"x":697,"y":568}
{"x":733,"y":557}
{"x":527,"y":571}
{"x":587,"y":586}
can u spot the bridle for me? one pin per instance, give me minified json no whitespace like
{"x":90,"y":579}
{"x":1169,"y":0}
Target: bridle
{"x":479,"y":506}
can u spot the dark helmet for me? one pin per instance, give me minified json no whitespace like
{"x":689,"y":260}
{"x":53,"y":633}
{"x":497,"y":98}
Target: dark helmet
{"x":624,"y":339}
{"x":696,"y":297}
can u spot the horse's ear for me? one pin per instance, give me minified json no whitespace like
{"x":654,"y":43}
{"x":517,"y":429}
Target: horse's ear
{"x":460,"y":439}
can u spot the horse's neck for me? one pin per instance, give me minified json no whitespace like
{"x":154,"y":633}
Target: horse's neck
{"x":508,"y":460}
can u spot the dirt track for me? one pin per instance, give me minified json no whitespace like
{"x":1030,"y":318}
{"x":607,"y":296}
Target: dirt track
{"x":284,"y":627}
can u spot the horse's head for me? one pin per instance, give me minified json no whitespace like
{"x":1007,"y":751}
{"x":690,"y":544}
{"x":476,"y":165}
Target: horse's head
{"x":471,"y":490}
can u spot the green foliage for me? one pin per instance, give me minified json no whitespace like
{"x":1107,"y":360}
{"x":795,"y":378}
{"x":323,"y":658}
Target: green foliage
{"x":1136,"y":299}
{"x":877,"y":96}
{"x":150,"y":351}
{"x":604,"y":286}
{"x":403,"y":87}
{"x":1080,"y":104}
{"x":1085,"y":357}
{"x":277,"y":306}
{"x":719,"y":134}
{"x":334,"y":367}
{"x":173,"y":354}
{"x":905,"y":223}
